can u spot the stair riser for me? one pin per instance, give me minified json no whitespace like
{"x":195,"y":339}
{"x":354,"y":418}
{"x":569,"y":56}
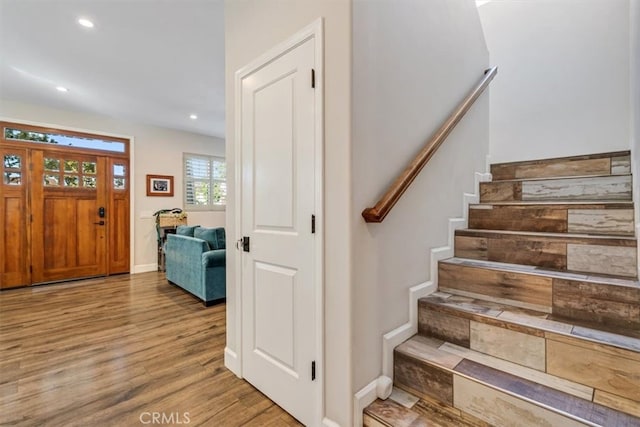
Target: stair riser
{"x":612,"y":164}
{"x":521,"y":290}
{"x":573,"y":254}
{"x":369,"y":421}
{"x":423,"y":379}
{"x":552,"y":220}
{"x":605,"y":368}
{"x":478,"y":400}
{"x":586,"y":301}
{"x":596,"y":188}
{"x":611,"y":306}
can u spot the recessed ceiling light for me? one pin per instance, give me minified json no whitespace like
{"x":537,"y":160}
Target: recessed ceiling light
{"x":62,"y":89}
{"x":85,"y":22}
{"x":193,"y":117}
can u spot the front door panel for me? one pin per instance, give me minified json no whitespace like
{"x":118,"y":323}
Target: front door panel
{"x":69,"y":238}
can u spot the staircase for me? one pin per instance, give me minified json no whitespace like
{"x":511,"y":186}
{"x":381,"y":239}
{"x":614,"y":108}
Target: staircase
{"x":536,"y":321}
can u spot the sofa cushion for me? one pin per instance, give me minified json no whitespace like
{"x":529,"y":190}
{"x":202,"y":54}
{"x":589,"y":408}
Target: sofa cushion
{"x":186,"y":230}
{"x":215,"y":258}
{"x":209,"y":235}
{"x":220,"y":234}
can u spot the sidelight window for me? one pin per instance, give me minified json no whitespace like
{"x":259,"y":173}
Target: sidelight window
{"x":12,"y":169}
{"x":119,"y":177}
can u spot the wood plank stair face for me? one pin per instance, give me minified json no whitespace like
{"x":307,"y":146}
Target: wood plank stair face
{"x":546,"y":396}
{"x":610,"y":219}
{"x":501,"y":398}
{"x":536,"y":320}
{"x":607,"y":363}
{"x":428,"y":414}
{"x":581,"y":253}
{"x":489,"y":280}
{"x":591,"y":188}
{"x":596,"y":164}
{"x":611,"y":303}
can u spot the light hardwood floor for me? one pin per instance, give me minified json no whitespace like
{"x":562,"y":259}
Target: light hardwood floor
{"x":112,"y":352}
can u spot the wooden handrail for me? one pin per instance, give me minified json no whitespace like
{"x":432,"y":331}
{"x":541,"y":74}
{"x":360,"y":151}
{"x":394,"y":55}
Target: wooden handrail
{"x":404,"y":180}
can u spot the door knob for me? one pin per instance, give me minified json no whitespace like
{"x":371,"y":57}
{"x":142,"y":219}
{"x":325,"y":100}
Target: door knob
{"x":99,"y":223}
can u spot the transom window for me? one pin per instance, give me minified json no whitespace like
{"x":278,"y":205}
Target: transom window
{"x":17,"y":134}
{"x":205,"y":182}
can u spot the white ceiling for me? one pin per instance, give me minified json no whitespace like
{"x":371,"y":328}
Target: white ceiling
{"x":148,"y":61}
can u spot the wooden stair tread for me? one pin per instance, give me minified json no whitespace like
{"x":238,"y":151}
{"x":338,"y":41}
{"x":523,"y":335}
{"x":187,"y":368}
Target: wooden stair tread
{"x":528,"y":321}
{"x":562,"y":178}
{"x":390,"y":413}
{"x":623,"y":240}
{"x":512,"y":383}
{"x":539,"y":271}
{"x":594,"y":325}
{"x":573,"y":204}
{"x":442,"y":353}
{"x":546,"y":396}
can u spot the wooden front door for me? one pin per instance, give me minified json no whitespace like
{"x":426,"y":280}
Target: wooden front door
{"x":69,"y":223}
{"x":64,"y":205}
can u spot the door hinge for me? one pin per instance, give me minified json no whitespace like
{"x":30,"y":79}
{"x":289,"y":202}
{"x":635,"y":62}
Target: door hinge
{"x":31,"y":218}
{"x":313,"y":78}
{"x":313,"y":370}
{"x":313,"y":224}
{"x":246,"y":246}
{"x":31,"y":269}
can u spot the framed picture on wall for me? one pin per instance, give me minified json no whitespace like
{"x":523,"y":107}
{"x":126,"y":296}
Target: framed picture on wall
{"x":160,"y":185}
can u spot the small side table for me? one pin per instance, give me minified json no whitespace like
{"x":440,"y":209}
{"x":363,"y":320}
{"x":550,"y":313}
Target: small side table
{"x":166,"y":223}
{"x":162,"y":239}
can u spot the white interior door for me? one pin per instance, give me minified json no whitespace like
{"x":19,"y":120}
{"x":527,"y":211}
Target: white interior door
{"x":279,"y":286}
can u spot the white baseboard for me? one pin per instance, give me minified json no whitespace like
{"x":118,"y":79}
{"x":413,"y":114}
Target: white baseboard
{"x":363,"y":398}
{"x":326,"y":422}
{"x":232,"y":362}
{"x":145,"y":268}
{"x":397,"y":336}
{"x":392,"y":339}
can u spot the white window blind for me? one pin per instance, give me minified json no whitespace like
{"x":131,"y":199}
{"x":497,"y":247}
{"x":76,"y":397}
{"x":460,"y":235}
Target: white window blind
{"x":205,"y":182}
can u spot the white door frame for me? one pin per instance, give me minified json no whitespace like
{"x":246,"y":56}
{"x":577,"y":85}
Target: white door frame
{"x":314,"y":32}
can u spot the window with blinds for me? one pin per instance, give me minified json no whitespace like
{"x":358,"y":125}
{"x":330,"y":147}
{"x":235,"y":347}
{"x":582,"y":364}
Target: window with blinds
{"x":205,"y":182}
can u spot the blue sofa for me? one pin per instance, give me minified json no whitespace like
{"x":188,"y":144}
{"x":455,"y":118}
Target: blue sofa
{"x":195,"y":261}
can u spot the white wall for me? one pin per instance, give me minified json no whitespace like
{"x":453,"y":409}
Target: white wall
{"x":157,"y":151}
{"x":413,"y":62}
{"x":251,"y":28}
{"x":635,"y":104}
{"x":563,"y":86}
